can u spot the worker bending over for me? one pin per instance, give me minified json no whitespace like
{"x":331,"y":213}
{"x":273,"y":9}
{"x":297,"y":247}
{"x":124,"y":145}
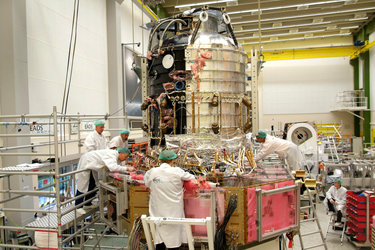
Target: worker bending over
{"x":93,"y":162}
{"x":335,"y":200}
{"x":120,"y":141}
{"x":95,"y":140}
{"x":166,"y":200}
{"x":284,"y":149}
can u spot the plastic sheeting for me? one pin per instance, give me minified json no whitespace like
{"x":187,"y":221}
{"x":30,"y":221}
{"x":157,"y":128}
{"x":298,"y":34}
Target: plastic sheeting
{"x":200,"y":207}
{"x":278,"y":210}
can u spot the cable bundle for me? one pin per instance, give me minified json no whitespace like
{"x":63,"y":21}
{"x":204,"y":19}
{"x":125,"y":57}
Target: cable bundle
{"x":134,"y":242}
{"x":220,"y":241}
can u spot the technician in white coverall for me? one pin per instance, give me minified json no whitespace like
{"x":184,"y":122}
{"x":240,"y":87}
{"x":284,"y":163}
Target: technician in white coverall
{"x":95,"y":140}
{"x":166,"y":200}
{"x":120,"y":141}
{"x":335,"y":200}
{"x":94,"y":161}
{"x":284,"y":149}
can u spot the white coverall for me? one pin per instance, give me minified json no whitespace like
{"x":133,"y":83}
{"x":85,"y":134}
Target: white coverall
{"x":95,"y":141}
{"x":117,"y":142}
{"x":284,"y":149}
{"x":339,"y":195}
{"x":167,"y":200}
{"x":95,"y":160}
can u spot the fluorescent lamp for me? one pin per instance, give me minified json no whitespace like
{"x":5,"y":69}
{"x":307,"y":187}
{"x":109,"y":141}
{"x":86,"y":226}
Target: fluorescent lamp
{"x":281,"y":34}
{"x":300,"y":6}
{"x":203,"y":3}
{"x":349,"y":27}
{"x":297,"y":38}
{"x":306,"y":15}
{"x":282,"y":27}
{"x":358,"y":18}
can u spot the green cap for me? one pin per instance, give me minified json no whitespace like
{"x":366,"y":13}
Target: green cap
{"x":125,"y":132}
{"x":261,"y":134}
{"x":338,"y":180}
{"x":167,"y":155}
{"x":124,"y":150}
{"x":99,"y":122}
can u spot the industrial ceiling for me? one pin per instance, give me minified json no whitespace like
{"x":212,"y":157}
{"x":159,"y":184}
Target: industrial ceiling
{"x":287,"y":20}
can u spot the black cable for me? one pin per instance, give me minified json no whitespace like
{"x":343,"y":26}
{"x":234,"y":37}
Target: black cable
{"x":74,"y":49}
{"x":220,"y":239}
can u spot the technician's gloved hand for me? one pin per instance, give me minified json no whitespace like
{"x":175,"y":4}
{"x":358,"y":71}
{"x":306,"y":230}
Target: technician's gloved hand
{"x":131,"y":169}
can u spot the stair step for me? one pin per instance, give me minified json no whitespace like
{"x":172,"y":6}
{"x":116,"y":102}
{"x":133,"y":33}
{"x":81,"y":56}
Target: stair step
{"x":312,"y":219}
{"x":310,"y":233}
{"x":314,"y":246}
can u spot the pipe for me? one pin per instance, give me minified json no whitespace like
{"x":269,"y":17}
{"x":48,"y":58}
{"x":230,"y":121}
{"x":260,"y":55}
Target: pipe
{"x":193,"y":112}
{"x":25,"y":135}
{"x":166,"y":29}
{"x":36,"y":145}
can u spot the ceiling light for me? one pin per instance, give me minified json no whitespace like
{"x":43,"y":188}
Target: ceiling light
{"x":302,"y":6}
{"x":360,"y":15}
{"x":331,"y":27}
{"x":203,"y":3}
{"x":306,"y":15}
{"x":350,"y":27}
{"x":280,"y":34}
{"x":318,"y":20}
{"x":282,"y":27}
{"x":277,"y":25}
{"x":298,"y":38}
{"x":232,"y":3}
{"x":294,"y":30}
{"x":347,"y":2}
{"x":358,"y":19}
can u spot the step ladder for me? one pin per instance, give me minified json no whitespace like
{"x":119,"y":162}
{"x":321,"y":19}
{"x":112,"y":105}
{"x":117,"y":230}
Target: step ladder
{"x":315,"y":219}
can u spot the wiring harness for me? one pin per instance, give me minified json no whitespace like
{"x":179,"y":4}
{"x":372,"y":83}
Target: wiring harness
{"x":220,"y":239}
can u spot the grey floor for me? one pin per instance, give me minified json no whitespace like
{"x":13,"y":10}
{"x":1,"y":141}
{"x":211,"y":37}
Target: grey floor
{"x":333,"y":237}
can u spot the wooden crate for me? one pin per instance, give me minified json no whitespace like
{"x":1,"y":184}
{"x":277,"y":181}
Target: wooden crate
{"x":236,"y":229}
{"x":138,"y":202}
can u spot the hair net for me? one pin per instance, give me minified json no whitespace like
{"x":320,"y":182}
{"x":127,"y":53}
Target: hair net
{"x":124,"y":150}
{"x":167,"y":155}
{"x":261,"y":134}
{"x":338,"y":180}
{"x":99,"y":122}
{"x":125,"y":132}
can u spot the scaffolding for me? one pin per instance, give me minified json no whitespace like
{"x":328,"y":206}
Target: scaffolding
{"x":61,"y":227}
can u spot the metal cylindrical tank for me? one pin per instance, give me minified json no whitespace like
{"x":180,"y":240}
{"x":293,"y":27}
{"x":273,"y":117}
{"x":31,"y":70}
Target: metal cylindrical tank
{"x":214,"y":94}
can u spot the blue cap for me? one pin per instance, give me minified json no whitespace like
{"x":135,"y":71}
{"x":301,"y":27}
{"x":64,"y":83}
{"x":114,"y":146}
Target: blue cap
{"x":125,"y":132}
{"x":99,"y":122}
{"x":124,"y":150}
{"x":167,"y":155}
{"x":261,"y":134}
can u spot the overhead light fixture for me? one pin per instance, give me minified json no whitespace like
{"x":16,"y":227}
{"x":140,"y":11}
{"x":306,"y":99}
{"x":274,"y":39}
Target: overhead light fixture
{"x":232,"y":3}
{"x":298,"y":38}
{"x":301,"y":6}
{"x":318,"y":20}
{"x":282,"y":27}
{"x":203,"y":3}
{"x":358,"y":19}
{"x":331,"y":27}
{"x":306,"y":15}
{"x":360,"y":15}
{"x":347,"y":2}
{"x":349,"y":27}
{"x":277,"y":24}
{"x":294,"y":30}
{"x":280,"y":34}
